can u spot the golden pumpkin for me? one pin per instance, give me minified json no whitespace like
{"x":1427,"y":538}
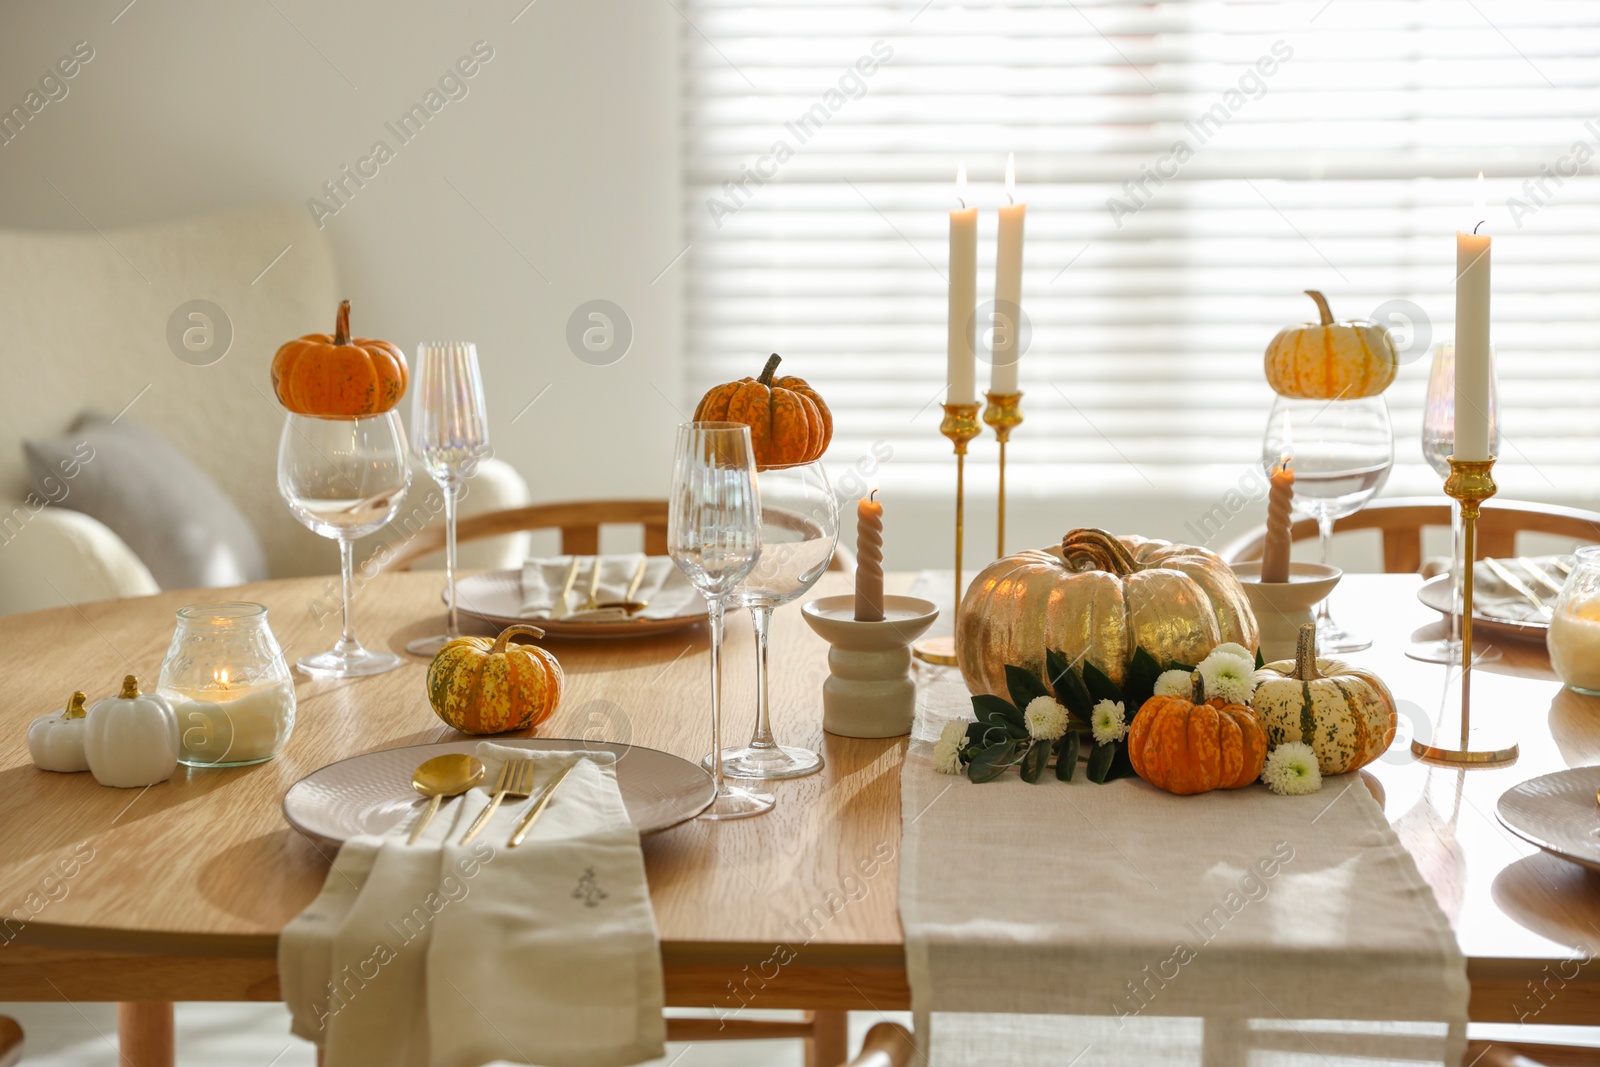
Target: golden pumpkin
{"x":479,"y":686}
{"x":1196,"y":746}
{"x":338,"y":376}
{"x":1331,"y":360}
{"x":1098,"y":597}
{"x":1347,"y":715}
{"x":789,"y":423}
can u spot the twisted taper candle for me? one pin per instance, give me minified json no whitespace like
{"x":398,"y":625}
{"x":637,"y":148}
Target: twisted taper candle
{"x":1275,"y":553}
{"x":869,"y":559}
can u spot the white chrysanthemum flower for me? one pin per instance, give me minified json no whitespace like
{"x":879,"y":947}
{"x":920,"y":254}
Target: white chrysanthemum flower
{"x":1232,"y":649}
{"x":1175,"y":684}
{"x":1233,"y":678}
{"x":1110,"y":722}
{"x":947,"y":752}
{"x":1045,"y":718}
{"x":1291,"y":770}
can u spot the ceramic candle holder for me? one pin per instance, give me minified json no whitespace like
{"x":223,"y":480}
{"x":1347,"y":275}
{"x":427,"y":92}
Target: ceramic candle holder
{"x":1281,"y":608}
{"x":869,"y":691}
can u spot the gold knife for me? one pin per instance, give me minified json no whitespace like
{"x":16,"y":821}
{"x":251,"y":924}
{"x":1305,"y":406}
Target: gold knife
{"x":1516,"y":584}
{"x":562,"y":608}
{"x":526,"y":823}
{"x":1539,"y":573}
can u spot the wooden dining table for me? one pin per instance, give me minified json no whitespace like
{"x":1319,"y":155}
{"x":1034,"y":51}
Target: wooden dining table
{"x":178,"y":892}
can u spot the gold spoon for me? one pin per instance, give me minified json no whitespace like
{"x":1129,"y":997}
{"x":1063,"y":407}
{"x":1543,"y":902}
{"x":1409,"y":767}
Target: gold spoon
{"x":628,"y":603}
{"x":443,"y":776}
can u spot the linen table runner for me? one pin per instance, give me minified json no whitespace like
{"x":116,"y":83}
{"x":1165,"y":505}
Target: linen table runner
{"x":1068,"y":922}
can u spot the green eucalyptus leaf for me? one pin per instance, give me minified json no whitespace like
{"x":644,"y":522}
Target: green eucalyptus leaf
{"x":993,"y":706}
{"x":993,"y":761}
{"x":1074,"y":695}
{"x":1100,"y":762}
{"x":1184,"y":667}
{"x":1100,"y":686}
{"x":1034,"y":761}
{"x":1121,"y":765}
{"x":1143,"y":670}
{"x":1024,"y":686}
{"x":1067,"y":758}
{"x":1261,"y":661}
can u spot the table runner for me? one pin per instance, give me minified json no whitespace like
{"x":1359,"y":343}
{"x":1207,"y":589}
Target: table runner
{"x":1074,"y":923}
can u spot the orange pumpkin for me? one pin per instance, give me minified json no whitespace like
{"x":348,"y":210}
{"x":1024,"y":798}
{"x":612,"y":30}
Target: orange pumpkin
{"x":789,"y":423}
{"x":1331,"y":360}
{"x":337,"y":376}
{"x":480,"y":686}
{"x":1187,"y":747}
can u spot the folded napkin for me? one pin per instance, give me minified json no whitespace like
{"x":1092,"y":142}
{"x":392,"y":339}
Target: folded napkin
{"x":443,"y":955}
{"x":664,"y":586}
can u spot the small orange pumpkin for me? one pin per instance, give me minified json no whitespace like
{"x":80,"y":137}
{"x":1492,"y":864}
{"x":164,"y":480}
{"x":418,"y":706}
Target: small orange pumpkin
{"x":1331,"y":360}
{"x":1194,"y":746}
{"x":479,"y":686}
{"x":339,"y":377}
{"x":789,"y":423}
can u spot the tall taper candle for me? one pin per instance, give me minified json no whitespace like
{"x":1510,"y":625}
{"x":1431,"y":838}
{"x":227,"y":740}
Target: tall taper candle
{"x":1275,"y":554}
{"x":869,"y":559}
{"x":1472,"y":344}
{"x":960,"y":354}
{"x":1008,"y":289}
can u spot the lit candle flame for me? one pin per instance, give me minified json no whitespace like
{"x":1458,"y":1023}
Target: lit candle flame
{"x":1011,"y":177}
{"x":222,"y":677}
{"x":961,"y":182}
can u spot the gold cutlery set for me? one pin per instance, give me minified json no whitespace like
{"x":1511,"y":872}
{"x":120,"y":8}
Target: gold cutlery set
{"x":1539,"y":574}
{"x":629,"y":604}
{"x":451,"y":775}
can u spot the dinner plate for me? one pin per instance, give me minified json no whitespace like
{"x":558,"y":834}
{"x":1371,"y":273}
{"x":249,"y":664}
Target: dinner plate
{"x":370,"y":793}
{"x":495,"y":597}
{"x":1435,"y":593}
{"x":1558,"y":812}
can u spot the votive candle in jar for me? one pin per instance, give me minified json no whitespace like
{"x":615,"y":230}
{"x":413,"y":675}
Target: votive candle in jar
{"x":229,"y":685}
{"x":1574,"y":635}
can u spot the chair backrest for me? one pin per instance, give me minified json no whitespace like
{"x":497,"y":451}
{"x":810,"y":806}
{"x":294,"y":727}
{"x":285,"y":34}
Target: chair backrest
{"x":579,"y":522}
{"x":1401,"y":521}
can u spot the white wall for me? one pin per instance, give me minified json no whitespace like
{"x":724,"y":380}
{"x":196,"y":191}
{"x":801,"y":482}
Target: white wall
{"x":566,"y":141}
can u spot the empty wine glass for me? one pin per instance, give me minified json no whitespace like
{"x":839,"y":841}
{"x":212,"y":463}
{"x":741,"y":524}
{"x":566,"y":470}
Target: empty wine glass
{"x":449,"y":434}
{"x":1341,"y":452}
{"x":1438,"y":442}
{"x":344,"y":479}
{"x":799,"y":528}
{"x":714,"y":537}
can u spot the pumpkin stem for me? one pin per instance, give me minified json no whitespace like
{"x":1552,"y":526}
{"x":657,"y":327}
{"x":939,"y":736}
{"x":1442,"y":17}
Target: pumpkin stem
{"x":1197,"y":683}
{"x":130,"y":687}
{"x":509,"y":632}
{"x":75,"y":707}
{"x":1305,"y":654}
{"x":1103,"y":551}
{"x":1322,"y":306}
{"x":341,"y":325}
{"x":770,"y":369}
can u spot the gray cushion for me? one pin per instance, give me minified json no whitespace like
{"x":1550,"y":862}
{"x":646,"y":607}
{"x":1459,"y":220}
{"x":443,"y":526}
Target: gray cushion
{"x":175,"y":518}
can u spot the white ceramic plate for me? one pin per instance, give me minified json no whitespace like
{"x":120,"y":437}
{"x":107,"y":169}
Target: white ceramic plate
{"x":370,"y":793}
{"x":1435,"y":593}
{"x":1557,"y":812}
{"x":495,"y":597}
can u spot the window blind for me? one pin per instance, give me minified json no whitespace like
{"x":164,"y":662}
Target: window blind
{"x":1189,"y":170}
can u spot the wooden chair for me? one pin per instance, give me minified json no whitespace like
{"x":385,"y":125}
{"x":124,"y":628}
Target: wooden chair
{"x":1516,"y":1054}
{"x":886,"y":1045}
{"x":579,"y":522}
{"x":1402,"y":519}
{"x":10,"y":1042}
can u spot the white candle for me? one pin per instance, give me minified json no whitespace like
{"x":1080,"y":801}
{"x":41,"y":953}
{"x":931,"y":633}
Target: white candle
{"x":1006,"y":350}
{"x":1473,"y":372}
{"x":236,"y":724}
{"x":961,"y":371}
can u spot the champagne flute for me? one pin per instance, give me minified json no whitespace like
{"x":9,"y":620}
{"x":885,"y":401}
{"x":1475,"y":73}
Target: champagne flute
{"x":714,"y":537}
{"x":799,"y":528}
{"x":1341,"y":451}
{"x":344,"y":479}
{"x":450,"y":435}
{"x":1438,"y":442}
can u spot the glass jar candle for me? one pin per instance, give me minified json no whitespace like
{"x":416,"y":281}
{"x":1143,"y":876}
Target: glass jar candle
{"x":1574,"y":637}
{"x":229,"y":684}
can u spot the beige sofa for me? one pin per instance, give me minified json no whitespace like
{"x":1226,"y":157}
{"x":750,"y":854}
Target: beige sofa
{"x":84,"y":324}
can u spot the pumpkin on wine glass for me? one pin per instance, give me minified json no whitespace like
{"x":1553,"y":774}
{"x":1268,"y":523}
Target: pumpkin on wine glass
{"x":1330,"y":360}
{"x":336,"y":376}
{"x":789,"y":423}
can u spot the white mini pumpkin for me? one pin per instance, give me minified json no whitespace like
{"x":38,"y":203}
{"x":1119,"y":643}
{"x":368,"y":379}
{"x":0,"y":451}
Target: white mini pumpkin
{"x":1347,"y":715}
{"x":131,"y":740}
{"x":56,"y":741}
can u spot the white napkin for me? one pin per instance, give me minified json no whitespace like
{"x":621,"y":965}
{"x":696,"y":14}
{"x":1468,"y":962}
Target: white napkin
{"x":439,"y":955}
{"x":664,"y":586}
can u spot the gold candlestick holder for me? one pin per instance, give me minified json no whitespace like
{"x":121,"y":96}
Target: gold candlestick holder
{"x":960,"y":425}
{"x":1470,"y":483}
{"x":1004,"y":413}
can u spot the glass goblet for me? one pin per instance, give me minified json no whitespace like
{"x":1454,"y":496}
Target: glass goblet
{"x":1341,"y":452}
{"x":714,"y":537}
{"x":799,"y":528}
{"x":344,"y":479}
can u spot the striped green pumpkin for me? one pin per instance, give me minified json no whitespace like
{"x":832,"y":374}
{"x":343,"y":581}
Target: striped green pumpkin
{"x":1346,"y":715}
{"x":480,"y":686}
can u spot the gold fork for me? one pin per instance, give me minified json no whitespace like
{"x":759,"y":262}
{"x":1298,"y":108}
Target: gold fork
{"x":515,"y":781}
{"x":534,"y":812}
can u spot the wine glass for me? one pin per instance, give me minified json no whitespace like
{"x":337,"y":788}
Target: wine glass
{"x":344,"y":479}
{"x":1341,"y":452}
{"x":799,"y":528}
{"x":1438,"y":442}
{"x":714,"y":537}
{"x":449,"y":434}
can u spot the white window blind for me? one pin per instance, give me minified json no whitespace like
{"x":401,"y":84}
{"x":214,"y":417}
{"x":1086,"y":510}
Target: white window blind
{"x":1330,"y":145}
